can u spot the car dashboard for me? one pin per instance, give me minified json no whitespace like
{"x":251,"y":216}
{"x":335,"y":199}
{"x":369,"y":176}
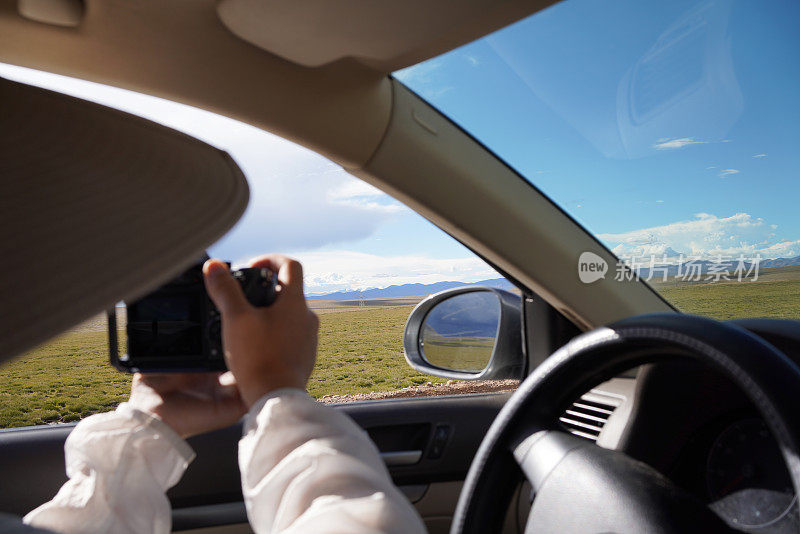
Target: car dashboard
{"x":702,"y":432}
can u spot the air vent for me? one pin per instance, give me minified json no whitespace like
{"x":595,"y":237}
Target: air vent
{"x":587,"y":416}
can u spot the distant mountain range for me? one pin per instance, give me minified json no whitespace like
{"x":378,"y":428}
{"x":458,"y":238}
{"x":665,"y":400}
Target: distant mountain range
{"x":707,"y":267}
{"x":413,"y":290}
{"x":780,"y":262}
{"x":409,"y":290}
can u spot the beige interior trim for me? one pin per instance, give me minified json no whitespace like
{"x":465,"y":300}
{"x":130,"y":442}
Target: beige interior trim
{"x":386,"y":36}
{"x":181,"y":51}
{"x":434,"y":167}
{"x":59,"y":12}
{"x":96,"y":206}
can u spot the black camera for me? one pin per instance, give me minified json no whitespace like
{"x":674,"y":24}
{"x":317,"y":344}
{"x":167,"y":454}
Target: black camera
{"x":176,"y":328}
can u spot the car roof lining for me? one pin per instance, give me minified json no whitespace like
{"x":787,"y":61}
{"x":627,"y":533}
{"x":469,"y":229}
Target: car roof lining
{"x":386,"y":36}
{"x":345,"y":110}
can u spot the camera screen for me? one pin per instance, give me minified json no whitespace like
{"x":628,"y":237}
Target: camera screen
{"x":166,"y":326}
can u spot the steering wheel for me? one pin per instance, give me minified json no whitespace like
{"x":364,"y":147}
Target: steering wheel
{"x":580,"y":487}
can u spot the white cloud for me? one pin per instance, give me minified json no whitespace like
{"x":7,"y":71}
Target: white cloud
{"x":659,"y":201}
{"x":305,"y":203}
{"x":705,"y":235}
{"x":355,"y":189}
{"x":711,"y":167}
{"x":758,"y":156}
{"x":726,"y":172}
{"x":299,"y":199}
{"x":343,"y":270}
{"x":361,"y":195}
{"x":667,"y":143}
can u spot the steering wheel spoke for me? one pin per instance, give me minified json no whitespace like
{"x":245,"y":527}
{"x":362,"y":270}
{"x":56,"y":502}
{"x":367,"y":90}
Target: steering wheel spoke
{"x":538,"y":454}
{"x":581,"y":487}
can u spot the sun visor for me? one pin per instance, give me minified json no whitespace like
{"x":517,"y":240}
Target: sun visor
{"x":97,"y":206}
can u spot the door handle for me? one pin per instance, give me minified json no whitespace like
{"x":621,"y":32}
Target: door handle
{"x":395,"y":458}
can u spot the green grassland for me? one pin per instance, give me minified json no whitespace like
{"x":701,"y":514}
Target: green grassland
{"x":776,"y":293}
{"x":463,"y":353}
{"x":70,"y":378}
{"x":63,"y":380}
{"x":360,"y":350}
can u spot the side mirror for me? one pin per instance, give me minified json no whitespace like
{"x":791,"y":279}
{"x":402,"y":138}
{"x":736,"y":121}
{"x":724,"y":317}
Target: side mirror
{"x":467,"y":333}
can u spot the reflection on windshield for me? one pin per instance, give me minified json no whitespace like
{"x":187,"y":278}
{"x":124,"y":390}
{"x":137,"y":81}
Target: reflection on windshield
{"x":667,"y":129}
{"x":653,"y":87}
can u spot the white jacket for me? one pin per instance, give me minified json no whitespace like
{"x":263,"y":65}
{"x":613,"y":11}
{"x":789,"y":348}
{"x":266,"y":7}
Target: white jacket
{"x":305,"y":468}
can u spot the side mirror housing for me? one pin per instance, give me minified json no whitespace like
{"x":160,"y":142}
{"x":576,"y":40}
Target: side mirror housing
{"x":467,"y":333}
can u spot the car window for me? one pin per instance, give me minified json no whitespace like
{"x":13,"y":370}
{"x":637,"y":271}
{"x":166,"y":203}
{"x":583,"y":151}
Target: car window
{"x":368,"y":261}
{"x":667,"y":129}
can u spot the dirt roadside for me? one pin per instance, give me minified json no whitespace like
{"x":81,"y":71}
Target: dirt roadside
{"x":451,"y":387}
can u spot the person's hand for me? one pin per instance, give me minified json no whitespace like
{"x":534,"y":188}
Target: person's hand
{"x":190,"y":403}
{"x":265,"y":348}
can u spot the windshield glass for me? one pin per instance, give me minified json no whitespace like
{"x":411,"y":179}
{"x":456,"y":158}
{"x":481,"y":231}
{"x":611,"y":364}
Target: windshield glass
{"x":667,"y":129}
{"x":368,"y":260}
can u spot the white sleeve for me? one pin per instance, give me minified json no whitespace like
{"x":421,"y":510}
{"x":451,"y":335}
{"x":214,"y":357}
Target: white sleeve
{"x":309,"y":468}
{"x":119,"y":466}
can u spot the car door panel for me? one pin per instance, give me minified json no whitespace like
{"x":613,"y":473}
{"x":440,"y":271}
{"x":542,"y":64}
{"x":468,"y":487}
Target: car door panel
{"x":427,"y":443}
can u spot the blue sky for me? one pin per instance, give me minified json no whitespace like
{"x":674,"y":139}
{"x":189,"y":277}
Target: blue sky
{"x":660,"y":126}
{"x":655,"y":124}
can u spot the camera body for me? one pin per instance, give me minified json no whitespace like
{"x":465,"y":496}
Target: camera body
{"x":177,"y":327}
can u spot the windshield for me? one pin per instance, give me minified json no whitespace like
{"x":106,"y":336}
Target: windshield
{"x":368,"y":260}
{"x":667,"y":129}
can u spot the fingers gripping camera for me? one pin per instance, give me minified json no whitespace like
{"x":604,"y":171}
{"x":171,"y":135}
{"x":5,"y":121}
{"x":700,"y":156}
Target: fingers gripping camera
{"x":177,"y":328}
